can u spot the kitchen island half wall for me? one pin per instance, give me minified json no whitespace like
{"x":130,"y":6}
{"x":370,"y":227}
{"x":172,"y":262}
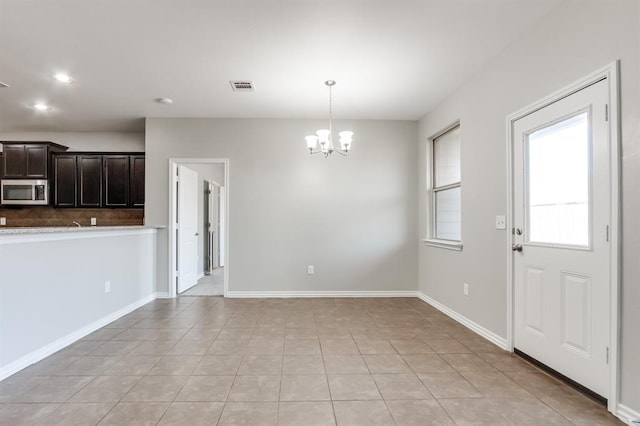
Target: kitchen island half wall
{"x":58,"y":285}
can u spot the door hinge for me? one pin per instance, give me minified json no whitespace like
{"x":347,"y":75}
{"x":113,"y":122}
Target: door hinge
{"x":607,"y":354}
{"x":607,"y":232}
{"x":606,"y":112}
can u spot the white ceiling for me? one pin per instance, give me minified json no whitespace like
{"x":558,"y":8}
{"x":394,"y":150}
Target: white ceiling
{"x":392,"y":59}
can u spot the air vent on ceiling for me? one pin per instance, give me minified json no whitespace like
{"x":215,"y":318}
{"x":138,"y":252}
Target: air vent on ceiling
{"x":242,"y":86}
{"x":3,"y":85}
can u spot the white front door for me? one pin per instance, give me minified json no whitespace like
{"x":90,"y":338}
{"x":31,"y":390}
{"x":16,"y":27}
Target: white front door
{"x":187,"y":228}
{"x":561,"y":227}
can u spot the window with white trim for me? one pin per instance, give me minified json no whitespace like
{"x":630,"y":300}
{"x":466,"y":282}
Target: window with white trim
{"x":445,"y":188}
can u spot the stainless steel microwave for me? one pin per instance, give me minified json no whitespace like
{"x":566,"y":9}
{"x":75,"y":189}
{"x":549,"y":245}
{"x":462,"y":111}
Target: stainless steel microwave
{"x":25,"y":192}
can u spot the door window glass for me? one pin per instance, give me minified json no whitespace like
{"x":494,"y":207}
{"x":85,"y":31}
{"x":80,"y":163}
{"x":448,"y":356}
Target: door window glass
{"x":558,"y":176}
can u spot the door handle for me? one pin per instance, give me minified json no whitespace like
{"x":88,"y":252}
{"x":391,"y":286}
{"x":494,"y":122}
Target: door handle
{"x":516,"y":247}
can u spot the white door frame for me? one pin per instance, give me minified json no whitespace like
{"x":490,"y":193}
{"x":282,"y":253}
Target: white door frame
{"x":611,"y":73}
{"x":213,"y":184}
{"x":173,"y":181}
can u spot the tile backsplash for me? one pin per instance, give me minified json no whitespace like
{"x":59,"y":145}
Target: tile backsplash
{"x":45,"y":216}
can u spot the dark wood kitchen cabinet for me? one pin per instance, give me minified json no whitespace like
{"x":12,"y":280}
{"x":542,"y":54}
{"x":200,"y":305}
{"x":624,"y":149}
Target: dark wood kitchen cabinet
{"x":65,"y":178}
{"x":98,"y":179}
{"x":136,"y":176}
{"x":28,"y":160}
{"x":116,"y":180}
{"x":89,"y":180}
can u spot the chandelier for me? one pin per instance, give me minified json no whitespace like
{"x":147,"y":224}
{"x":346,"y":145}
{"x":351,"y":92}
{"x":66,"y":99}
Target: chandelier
{"x":322,"y":141}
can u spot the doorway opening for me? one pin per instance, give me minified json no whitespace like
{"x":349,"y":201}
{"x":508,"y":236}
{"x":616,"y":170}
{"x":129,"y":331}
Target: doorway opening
{"x":563,"y":186}
{"x":198,"y":235}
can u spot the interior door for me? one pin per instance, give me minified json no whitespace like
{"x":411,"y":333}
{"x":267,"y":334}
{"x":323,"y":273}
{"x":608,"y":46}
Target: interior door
{"x":213,"y":223}
{"x":222,"y":230}
{"x":561,"y":236}
{"x":187,"y":228}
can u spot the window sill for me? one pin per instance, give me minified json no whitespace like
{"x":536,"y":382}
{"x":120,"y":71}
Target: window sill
{"x":449,"y":245}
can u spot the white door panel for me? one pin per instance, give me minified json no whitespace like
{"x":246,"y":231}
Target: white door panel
{"x":534,"y":289}
{"x":187,"y":228}
{"x":576,"y":307}
{"x":561,"y":213}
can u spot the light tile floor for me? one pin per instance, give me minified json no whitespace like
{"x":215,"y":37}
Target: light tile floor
{"x":208,"y":360}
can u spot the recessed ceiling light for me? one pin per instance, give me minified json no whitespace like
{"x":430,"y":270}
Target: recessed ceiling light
{"x":164,"y":101}
{"x":63,"y":78}
{"x":41,"y":106}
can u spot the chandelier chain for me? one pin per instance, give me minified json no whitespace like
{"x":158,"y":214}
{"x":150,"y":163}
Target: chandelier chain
{"x":330,"y":112}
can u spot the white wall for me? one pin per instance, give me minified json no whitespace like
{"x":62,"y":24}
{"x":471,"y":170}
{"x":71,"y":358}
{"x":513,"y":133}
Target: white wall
{"x":51,"y":289}
{"x":353,"y":218}
{"x":209,"y":171}
{"x":83,"y":141}
{"x":206,"y":172}
{"x":573,"y":41}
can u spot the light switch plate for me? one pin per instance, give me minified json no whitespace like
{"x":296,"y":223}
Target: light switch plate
{"x":3,"y":221}
{"x":501,"y":222}
{"x":310,"y":270}
{"x":93,"y":221}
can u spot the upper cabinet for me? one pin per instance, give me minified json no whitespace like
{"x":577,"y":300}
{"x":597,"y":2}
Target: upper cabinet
{"x":136,"y":176}
{"x":116,"y":180}
{"x":77,"y":179}
{"x":87,"y":179}
{"x":28,"y":160}
{"x":65,"y":177}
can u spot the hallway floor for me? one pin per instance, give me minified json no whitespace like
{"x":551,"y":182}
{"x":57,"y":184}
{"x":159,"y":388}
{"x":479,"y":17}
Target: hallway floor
{"x":209,"y":285}
{"x":210,"y":360}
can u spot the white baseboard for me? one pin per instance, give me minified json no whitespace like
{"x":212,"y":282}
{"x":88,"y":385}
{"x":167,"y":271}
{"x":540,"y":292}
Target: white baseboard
{"x":473,"y":326}
{"x":55,"y":346}
{"x":627,"y":414}
{"x":163,"y":295}
{"x":286,"y":294}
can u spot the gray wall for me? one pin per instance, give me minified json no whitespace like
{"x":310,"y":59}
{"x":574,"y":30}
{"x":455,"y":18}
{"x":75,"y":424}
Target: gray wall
{"x":552,"y":55}
{"x":83,"y":141}
{"x":206,"y":172}
{"x":65,"y":291}
{"x":354,"y":218}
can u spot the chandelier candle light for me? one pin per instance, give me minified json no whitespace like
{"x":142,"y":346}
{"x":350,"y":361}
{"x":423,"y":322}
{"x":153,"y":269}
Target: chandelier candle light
{"x":322,"y":141}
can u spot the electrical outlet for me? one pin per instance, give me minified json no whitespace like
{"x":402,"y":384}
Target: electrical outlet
{"x":107,"y":286}
{"x":466,"y":289}
{"x":93,"y":221}
{"x":3,"y":221}
{"x":501,"y":222}
{"x":310,"y":270}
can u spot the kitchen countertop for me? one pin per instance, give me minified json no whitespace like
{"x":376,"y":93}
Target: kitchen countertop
{"x":20,"y":230}
{"x":22,"y":235}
